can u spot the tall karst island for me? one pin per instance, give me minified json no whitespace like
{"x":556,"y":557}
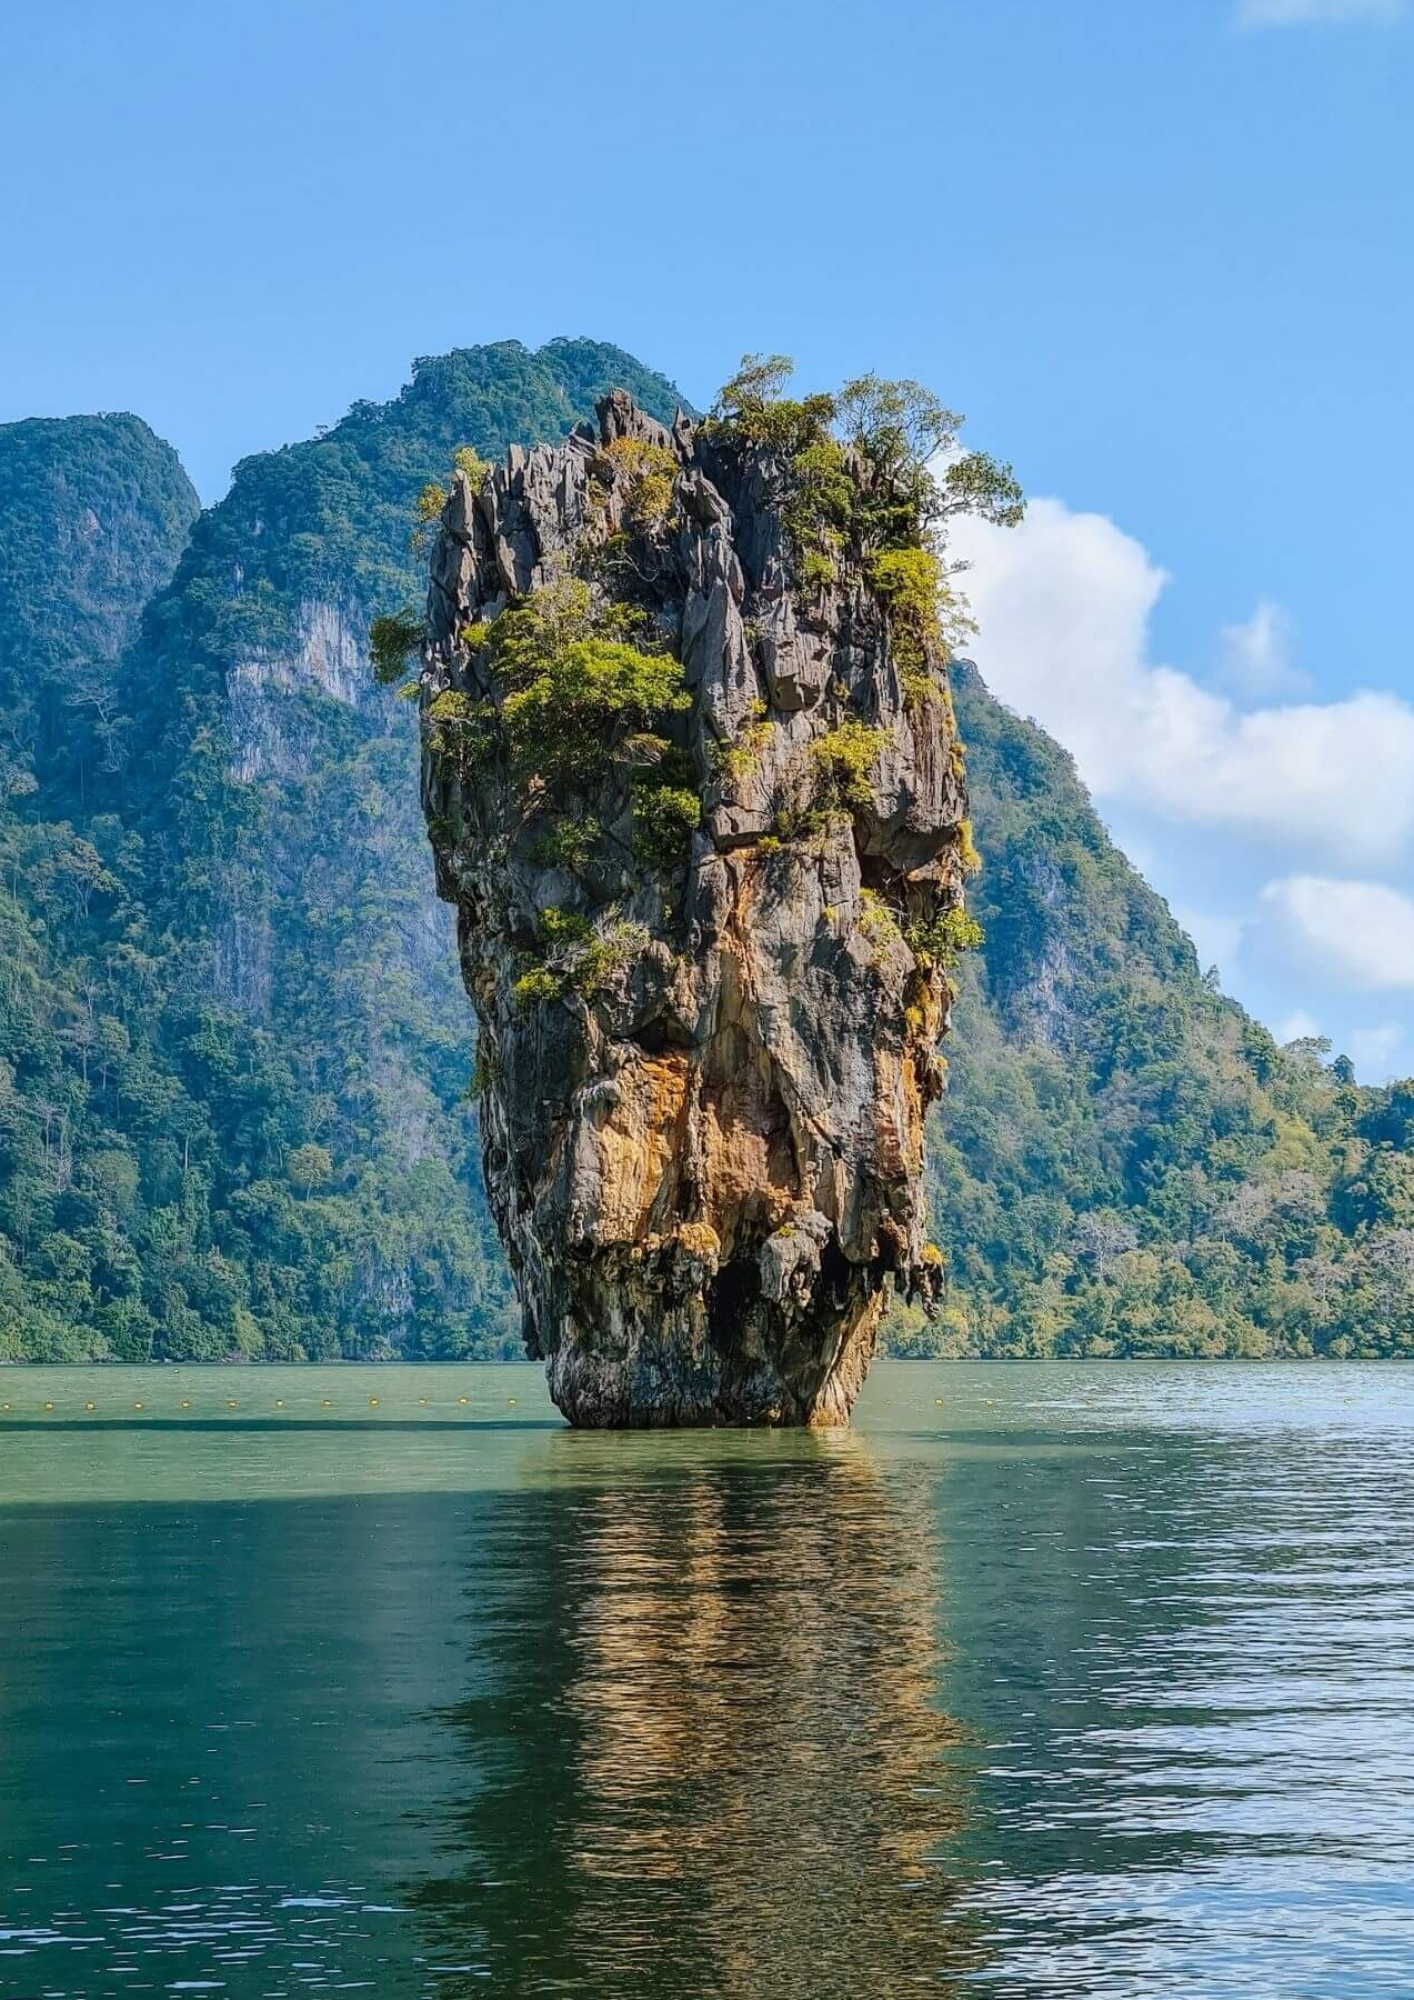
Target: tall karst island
{"x":694,"y":788}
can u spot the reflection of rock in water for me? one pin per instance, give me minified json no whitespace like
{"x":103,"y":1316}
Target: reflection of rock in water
{"x":715,"y":1766}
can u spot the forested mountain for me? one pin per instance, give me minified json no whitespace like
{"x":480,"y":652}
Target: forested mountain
{"x":234,"y":1049}
{"x":236,"y":1046}
{"x":94,"y":512}
{"x":1125,"y":1161}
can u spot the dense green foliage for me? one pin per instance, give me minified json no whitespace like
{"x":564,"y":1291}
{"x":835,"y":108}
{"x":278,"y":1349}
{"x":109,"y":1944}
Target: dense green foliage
{"x":234,"y":1048}
{"x":862,"y":473}
{"x":93,"y":515}
{"x":572,"y":717}
{"x":1125,"y":1163}
{"x":584,"y":689}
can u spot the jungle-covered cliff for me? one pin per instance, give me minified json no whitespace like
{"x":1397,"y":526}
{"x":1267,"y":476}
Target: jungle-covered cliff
{"x":1126,"y":1162}
{"x":234,"y":1044}
{"x":94,"y":513}
{"x":235,"y":1041}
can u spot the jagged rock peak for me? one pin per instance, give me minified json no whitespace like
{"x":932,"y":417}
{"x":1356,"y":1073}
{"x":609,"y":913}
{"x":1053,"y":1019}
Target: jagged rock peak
{"x":693,"y":787}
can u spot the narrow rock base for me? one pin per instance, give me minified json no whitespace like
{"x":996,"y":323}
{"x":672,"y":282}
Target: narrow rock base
{"x":663,"y":1387}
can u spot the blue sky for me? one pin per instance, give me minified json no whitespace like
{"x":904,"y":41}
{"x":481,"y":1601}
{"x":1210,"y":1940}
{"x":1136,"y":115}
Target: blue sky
{"x":1158,"y":250}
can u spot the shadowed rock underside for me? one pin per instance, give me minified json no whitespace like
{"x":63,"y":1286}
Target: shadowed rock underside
{"x":704,"y":1070}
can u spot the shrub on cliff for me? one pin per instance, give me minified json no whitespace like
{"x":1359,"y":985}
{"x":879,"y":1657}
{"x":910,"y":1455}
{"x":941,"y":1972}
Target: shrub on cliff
{"x":863,"y":462}
{"x":843,"y":759}
{"x":565,"y":725}
{"x":390,"y":640}
{"x":665,"y":816}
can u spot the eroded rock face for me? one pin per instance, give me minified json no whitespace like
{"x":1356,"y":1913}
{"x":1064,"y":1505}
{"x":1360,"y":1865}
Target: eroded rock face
{"x":703,"y":1130}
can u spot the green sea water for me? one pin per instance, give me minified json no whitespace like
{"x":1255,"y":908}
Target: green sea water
{"x":1043,"y":1680}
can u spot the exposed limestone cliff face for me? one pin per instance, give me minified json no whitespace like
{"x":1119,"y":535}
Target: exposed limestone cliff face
{"x":705,"y":1065}
{"x":269,"y":732}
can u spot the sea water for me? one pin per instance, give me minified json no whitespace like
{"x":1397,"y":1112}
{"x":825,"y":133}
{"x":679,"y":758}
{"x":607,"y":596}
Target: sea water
{"x":1042,"y":1680}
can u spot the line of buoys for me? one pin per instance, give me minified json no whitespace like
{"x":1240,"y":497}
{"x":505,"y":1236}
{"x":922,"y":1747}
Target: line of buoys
{"x":233,"y":1403}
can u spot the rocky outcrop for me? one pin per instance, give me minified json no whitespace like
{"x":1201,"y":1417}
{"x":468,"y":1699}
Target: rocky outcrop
{"x":705,"y":1065}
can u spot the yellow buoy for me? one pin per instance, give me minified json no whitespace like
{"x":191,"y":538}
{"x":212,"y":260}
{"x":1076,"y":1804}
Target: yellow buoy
{"x":186,"y":1405}
{"x":462,"y":1399}
{"x":88,"y":1406}
{"x":230,"y":1402}
{"x":423,"y":1401}
{"x":48,"y":1406}
{"x":137,"y":1406}
{"x":279,"y":1402}
{"x":328,"y":1402}
{"x":512,"y":1401}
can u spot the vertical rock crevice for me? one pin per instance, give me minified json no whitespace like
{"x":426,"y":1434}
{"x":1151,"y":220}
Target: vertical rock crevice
{"x":704,"y":830}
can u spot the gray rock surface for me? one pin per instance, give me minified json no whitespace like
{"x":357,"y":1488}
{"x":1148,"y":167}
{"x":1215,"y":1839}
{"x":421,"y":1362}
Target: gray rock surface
{"x":706,"y":1164}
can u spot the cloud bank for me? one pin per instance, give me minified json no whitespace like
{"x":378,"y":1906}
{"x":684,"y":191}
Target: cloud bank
{"x":1358,"y":935}
{"x":1064,"y":603}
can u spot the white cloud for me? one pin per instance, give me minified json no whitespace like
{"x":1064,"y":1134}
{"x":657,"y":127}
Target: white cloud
{"x":1306,"y":13}
{"x":1257,"y":654}
{"x":1215,"y":938}
{"x":1355,"y":935}
{"x":1372,"y":1050}
{"x":1297,"y":1027}
{"x":1064,"y":602}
